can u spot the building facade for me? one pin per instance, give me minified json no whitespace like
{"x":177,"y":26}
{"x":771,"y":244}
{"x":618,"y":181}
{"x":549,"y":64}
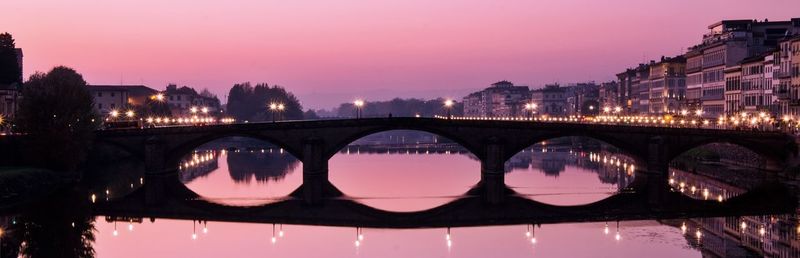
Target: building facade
{"x":502,"y":98}
{"x":667,"y":85}
{"x":551,"y":100}
{"x":119,"y":98}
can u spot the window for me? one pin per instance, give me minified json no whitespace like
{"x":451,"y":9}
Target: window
{"x":99,"y":105}
{"x":113,"y":106}
{"x":112,"y":94}
{"x":99,"y":94}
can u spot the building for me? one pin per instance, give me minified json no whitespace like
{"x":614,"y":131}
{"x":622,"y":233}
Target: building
{"x":727,"y":43}
{"x":667,"y":81}
{"x":609,"y":95}
{"x":582,"y":98}
{"x":641,"y":88}
{"x":11,"y":92}
{"x":120,"y":98}
{"x":181,"y":100}
{"x":733,"y":90}
{"x":502,"y":98}
{"x":756,"y":88}
{"x":624,"y":89}
{"x":694,"y":80}
{"x":551,"y":100}
{"x":794,"y":103}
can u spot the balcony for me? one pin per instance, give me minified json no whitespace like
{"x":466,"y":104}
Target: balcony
{"x":794,"y":102}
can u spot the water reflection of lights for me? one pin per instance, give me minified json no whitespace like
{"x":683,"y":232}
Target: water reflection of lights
{"x":697,"y":187}
{"x":115,"y":233}
{"x":273,"y":239}
{"x":359,"y":236}
{"x":683,"y":227}
{"x":605,"y":229}
{"x":448,"y":239}
{"x":194,"y":230}
{"x":617,"y":236}
{"x":205,"y":227}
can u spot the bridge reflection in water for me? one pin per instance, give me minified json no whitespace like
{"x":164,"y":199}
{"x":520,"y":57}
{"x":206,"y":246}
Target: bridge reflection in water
{"x":633,"y":201}
{"x":688,"y":211}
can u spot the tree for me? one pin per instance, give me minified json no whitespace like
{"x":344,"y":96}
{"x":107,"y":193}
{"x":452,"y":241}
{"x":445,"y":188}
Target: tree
{"x":57,"y":114}
{"x":10,"y":72}
{"x":246,"y":102}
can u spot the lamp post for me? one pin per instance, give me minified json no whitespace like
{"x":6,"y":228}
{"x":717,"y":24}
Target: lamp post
{"x":531,"y":108}
{"x":448,"y":104}
{"x":275,"y":108}
{"x":359,"y":104}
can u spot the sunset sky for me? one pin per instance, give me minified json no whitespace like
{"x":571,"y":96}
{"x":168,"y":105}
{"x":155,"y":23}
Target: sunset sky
{"x":328,"y":52}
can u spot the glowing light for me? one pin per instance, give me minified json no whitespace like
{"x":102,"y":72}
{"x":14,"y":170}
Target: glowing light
{"x":358,"y":103}
{"x":449,"y":103}
{"x":683,"y":228}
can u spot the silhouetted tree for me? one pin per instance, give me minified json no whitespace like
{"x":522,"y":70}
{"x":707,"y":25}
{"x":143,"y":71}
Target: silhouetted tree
{"x":9,"y":68}
{"x":310,"y":114}
{"x":246,"y":102}
{"x":57,"y":114}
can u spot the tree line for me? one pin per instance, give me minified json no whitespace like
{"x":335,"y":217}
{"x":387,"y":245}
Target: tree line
{"x":400,"y":108}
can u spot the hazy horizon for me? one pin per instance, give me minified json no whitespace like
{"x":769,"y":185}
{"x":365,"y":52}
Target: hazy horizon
{"x":333,"y":52}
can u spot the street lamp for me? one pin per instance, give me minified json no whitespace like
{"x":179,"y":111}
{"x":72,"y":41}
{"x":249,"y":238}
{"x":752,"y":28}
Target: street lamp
{"x":275,"y":108}
{"x":158,"y":97}
{"x":193,"y":110}
{"x":531,"y":107}
{"x":617,"y":109}
{"x":129,"y":114}
{"x":204,"y":110}
{"x":114,"y":113}
{"x":359,"y":104}
{"x":448,"y":104}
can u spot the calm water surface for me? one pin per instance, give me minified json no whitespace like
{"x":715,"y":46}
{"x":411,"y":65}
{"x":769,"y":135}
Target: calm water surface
{"x":396,"y":177}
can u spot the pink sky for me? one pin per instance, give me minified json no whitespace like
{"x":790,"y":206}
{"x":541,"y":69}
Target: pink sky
{"x":333,"y":51}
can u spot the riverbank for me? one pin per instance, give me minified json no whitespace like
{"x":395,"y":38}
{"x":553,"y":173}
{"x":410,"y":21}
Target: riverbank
{"x":23,"y":185}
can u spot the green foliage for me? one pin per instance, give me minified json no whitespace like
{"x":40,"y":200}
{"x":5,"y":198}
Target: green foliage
{"x":9,"y":68}
{"x":246,"y":102}
{"x":402,"y":108}
{"x":57,"y":113}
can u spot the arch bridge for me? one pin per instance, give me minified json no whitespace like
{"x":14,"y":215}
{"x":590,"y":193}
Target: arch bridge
{"x":493,"y":142}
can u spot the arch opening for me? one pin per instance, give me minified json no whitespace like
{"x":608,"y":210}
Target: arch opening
{"x":240,"y":171}
{"x":568,"y":171}
{"x":112,"y":171}
{"x":717,"y":171}
{"x":404,"y":170}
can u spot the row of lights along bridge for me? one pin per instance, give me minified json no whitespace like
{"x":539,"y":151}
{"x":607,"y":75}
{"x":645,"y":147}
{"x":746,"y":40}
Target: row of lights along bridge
{"x":609,"y":115}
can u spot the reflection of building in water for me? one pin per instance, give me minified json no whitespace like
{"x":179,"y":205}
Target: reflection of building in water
{"x":400,"y":137}
{"x":747,"y":236}
{"x":199,"y":164}
{"x":553,"y":158}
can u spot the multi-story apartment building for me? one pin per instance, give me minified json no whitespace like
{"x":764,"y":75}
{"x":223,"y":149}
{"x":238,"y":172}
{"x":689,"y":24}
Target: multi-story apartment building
{"x":794,"y":69}
{"x":582,"y":98}
{"x":608,"y":95}
{"x":754,"y":85}
{"x":625,"y":88}
{"x":502,"y":98}
{"x":733,"y":89}
{"x":642,"y":89}
{"x":667,"y":85}
{"x":783,"y":78}
{"x":694,"y":79}
{"x":727,"y":43}
{"x":551,"y":100}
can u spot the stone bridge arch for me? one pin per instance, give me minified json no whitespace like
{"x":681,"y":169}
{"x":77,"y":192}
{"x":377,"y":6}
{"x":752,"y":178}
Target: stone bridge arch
{"x":633,"y":146}
{"x":777,"y":152}
{"x":181,"y":147}
{"x":335,"y":144}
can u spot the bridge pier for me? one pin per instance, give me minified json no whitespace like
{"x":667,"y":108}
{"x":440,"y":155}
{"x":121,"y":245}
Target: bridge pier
{"x":493,"y":173}
{"x":657,"y":173}
{"x":315,"y":171}
{"x":157,"y":176}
